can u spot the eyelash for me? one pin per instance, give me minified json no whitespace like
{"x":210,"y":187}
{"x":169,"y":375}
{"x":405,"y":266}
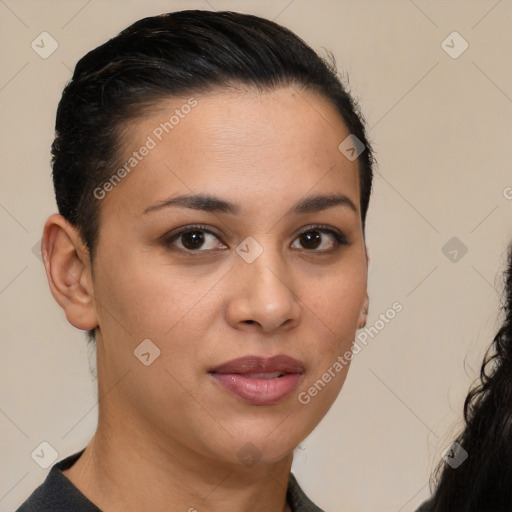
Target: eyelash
{"x":339,"y":238}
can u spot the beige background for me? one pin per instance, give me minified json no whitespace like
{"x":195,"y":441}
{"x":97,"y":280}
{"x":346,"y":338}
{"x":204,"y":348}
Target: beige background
{"x":441,"y":129}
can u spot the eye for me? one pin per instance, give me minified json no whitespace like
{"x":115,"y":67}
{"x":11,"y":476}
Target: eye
{"x":195,"y":238}
{"x":313,"y":238}
{"x":200,"y":239}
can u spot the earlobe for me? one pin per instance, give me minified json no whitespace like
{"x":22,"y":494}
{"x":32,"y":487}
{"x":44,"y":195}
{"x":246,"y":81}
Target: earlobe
{"x":68,"y":269}
{"x":363,"y":315}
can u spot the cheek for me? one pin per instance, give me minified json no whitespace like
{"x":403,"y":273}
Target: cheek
{"x":338,"y":302}
{"x":128,"y":299}
{"x":335,"y":309}
{"x":335,"y":316}
{"x":142,"y":299}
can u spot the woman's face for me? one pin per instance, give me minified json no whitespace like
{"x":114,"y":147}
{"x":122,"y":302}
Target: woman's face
{"x":277,"y":272}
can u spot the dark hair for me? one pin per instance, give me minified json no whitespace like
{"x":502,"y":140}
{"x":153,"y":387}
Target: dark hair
{"x":185,"y":52}
{"x":483,"y":482}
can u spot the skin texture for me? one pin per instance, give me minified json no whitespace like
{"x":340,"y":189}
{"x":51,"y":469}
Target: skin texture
{"x":168,"y":435}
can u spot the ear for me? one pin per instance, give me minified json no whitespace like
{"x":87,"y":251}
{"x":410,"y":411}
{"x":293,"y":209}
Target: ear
{"x":363,"y":314}
{"x":68,"y":268}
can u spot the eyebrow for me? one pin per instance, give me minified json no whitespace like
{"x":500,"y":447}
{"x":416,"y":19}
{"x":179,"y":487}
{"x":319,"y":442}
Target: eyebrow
{"x":210,"y":203}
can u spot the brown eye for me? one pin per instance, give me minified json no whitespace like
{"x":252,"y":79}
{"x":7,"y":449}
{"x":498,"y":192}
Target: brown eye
{"x":310,"y":239}
{"x":314,"y":237}
{"x":192,"y":239}
{"x":195,"y":239}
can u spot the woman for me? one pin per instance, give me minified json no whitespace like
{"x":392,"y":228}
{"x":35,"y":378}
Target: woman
{"x":212,"y":177}
{"x":476,"y":473}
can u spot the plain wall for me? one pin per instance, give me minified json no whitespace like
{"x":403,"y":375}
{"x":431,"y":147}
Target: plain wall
{"x":441,"y":131}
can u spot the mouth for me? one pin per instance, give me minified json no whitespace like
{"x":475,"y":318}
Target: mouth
{"x":279,"y":365}
{"x":270,"y":375}
{"x":257,"y":380}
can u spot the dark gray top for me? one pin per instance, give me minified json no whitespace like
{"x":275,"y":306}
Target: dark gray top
{"x":426,"y":506}
{"x":58,"y":494}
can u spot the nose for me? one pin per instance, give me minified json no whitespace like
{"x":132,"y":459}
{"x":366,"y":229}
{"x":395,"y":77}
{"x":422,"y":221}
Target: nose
{"x":263,"y":297}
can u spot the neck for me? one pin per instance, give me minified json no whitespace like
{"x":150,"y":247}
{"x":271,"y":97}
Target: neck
{"x":123,"y":470}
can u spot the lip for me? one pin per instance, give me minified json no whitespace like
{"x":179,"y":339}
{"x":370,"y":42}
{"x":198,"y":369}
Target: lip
{"x":235,"y":377}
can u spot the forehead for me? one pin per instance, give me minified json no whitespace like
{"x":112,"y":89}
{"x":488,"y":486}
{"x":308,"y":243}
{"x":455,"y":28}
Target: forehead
{"x":242,"y":143}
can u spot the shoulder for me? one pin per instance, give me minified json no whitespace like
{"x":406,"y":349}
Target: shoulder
{"x":297,"y":498}
{"x":427,"y":506}
{"x":57,"y":493}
